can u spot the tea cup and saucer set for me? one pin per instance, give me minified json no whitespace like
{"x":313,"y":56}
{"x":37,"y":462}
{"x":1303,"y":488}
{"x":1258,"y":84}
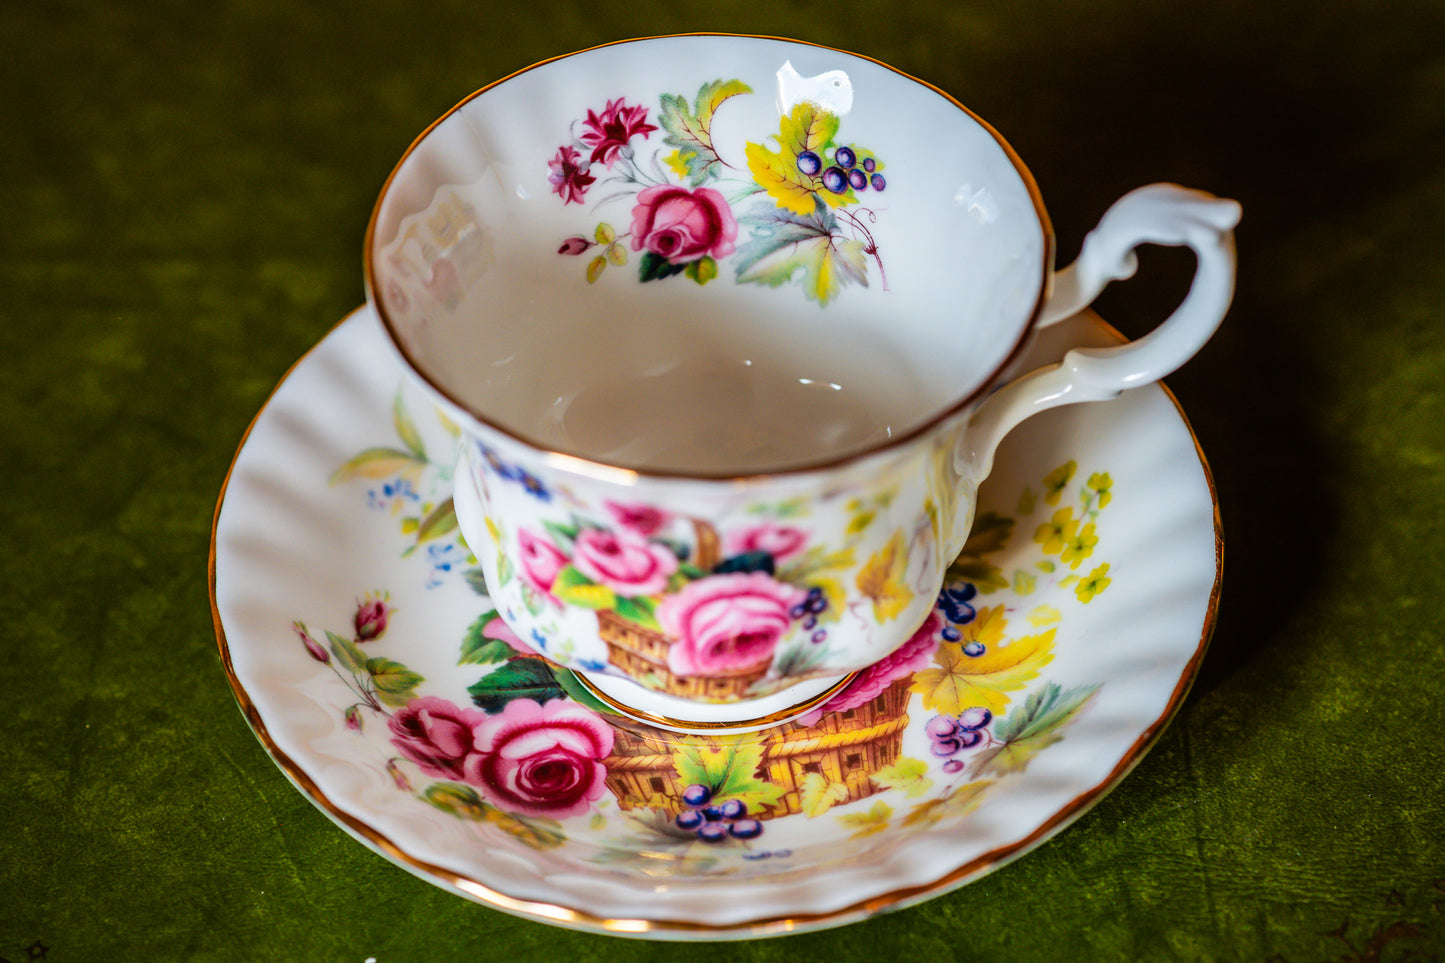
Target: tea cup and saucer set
{"x":696,"y":535}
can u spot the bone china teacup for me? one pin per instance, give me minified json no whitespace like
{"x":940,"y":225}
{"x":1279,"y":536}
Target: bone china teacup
{"x":723,"y":321}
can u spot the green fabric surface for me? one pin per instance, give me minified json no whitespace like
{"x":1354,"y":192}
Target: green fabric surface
{"x":184,"y":188}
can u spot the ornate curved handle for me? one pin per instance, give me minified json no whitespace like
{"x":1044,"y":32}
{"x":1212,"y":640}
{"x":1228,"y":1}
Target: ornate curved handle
{"x":1158,"y":214}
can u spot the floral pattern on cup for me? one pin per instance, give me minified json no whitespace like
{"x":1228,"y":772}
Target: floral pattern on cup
{"x":796,"y":212}
{"x":528,"y":751}
{"x":700,"y":615}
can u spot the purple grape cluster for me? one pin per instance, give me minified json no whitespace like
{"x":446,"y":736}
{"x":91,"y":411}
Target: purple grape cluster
{"x":950,"y":735}
{"x":808,"y":611}
{"x":846,"y":171}
{"x":715,"y":823}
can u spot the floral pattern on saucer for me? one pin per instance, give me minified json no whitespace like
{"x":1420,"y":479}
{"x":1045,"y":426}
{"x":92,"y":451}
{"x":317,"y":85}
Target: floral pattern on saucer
{"x":786,"y":219}
{"x":298,"y":557}
{"x":532,"y":753}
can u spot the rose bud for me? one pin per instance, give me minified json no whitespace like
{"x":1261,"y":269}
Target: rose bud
{"x":313,"y":648}
{"x":574,"y":246}
{"x":370,"y":620}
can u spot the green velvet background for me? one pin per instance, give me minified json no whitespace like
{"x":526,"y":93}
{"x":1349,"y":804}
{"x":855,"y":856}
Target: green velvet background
{"x":183,"y":191}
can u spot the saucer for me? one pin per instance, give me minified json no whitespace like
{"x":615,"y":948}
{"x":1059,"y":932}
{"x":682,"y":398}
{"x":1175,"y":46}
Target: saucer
{"x":364,"y":653}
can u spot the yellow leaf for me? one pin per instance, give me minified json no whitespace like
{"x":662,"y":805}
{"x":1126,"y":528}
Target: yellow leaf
{"x":910,"y":776}
{"x":956,"y":804}
{"x":1044,"y":615}
{"x":958,"y":681}
{"x":594,"y":269}
{"x":881,"y":579}
{"x":873,"y":821}
{"x":806,"y":128}
{"x":380,"y":463}
{"x":818,"y":795}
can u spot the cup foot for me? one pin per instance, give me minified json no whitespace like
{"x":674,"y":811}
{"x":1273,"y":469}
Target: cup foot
{"x":683,"y":715}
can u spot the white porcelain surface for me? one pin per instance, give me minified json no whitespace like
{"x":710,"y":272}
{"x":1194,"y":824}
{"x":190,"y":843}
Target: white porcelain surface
{"x":717,"y":316}
{"x":305,"y":540}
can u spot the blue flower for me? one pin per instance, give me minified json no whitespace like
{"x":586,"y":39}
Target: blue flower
{"x":953,"y":602}
{"x":540,"y":639}
{"x":533,"y":485}
{"x":443,"y":558}
{"x":592,"y":665}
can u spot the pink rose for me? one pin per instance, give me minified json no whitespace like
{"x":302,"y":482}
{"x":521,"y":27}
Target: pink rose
{"x":502,"y":632}
{"x":626,"y":563}
{"x":683,"y":225}
{"x":910,"y":657}
{"x":542,"y":760}
{"x":779,"y":541}
{"x":645,"y":520}
{"x":540,"y":561}
{"x":726,"y":622}
{"x":436,"y":735}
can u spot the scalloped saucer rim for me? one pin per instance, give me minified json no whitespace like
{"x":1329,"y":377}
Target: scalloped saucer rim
{"x":274,"y":523}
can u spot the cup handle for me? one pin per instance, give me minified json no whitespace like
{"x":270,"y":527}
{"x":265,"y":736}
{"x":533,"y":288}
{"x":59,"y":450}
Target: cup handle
{"x":1157,"y":214}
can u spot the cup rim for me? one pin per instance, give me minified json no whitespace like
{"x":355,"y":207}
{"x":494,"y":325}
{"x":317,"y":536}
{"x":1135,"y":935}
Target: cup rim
{"x":827,"y":463}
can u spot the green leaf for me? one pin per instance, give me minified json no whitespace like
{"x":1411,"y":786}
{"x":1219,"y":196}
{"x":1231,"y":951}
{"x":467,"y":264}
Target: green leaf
{"x":655,"y":267}
{"x":1031,"y":728}
{"x":702,"y":270}
{"x":406,"y":429}
{"x":579,"y":693}
{"x":478,"y":648}
{"x":574,"y":588}
{"x":596,"y":266}
{"x":985,"y":576}
{"x":395,"y":683}
{"x":477,"y":579}
{"x":456,"y":799}
{"x":727,"y":766}
{"x":991,"y":532}
{"x":518,"y":679}
{"x":563,"y":535}
{"x":689,"y":128}
{"x":440,"y":521}
{"x":641,"y":610}
{"x":347,"y":652}
{"x":379,"y":463}
{"x":786,"y":248}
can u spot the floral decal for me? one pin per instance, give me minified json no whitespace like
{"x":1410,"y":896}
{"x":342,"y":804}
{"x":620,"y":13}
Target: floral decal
{"x":795,"y":214}
{"x":680,"y":606}
{"x":400,"y":471}
{"x":526,"y":750}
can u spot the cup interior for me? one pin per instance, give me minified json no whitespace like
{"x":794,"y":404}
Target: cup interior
{"x":712,"y":255}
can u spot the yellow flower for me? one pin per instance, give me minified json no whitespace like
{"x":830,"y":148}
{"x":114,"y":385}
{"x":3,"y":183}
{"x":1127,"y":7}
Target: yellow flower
{"x":958,"y":681}
{"x":1096,"y":582}
{"x":1057,"y":480}
{"x":1054,"y":534}
{"x":1101,"y":483}
{"x":1080,"y":547}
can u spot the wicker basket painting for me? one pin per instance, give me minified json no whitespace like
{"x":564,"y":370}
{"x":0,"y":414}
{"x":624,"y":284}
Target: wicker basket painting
{"x":845,"y":748}
{"x":641,"y":651}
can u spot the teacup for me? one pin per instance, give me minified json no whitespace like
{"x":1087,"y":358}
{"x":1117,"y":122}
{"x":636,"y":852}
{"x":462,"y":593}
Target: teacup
{"x":723,"y":321}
